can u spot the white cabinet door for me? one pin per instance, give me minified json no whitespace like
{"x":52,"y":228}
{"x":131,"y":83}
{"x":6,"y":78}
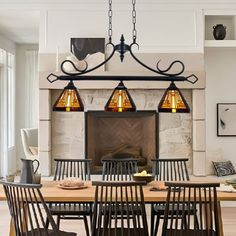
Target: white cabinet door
{"x":158,"y":30}
{"x":171,"y":31}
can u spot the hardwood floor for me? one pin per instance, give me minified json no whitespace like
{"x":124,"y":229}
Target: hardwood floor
{"x":228,"y":214}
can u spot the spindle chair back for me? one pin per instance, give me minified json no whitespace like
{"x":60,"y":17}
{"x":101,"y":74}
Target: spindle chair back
{"x":72,"y":168}
{"x":203,"y":197}
{"x":29,"y":211}
{"x":171,"y":169}
{"x":174,"y":169}
{"x":119,"y":169}
{"x":119,"y":209}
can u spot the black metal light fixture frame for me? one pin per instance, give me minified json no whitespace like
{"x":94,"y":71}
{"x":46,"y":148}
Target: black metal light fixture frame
{"x":122,"y":48}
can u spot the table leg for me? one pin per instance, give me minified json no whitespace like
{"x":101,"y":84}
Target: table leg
{"x":24,"y":223}
{"x":220,"y":219}
{"x":12,"y":229}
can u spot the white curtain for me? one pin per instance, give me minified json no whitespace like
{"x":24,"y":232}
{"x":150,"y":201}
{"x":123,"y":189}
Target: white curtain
{"x":32,"y":89}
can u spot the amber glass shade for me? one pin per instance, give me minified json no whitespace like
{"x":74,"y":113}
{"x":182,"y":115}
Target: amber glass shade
{"x":173,"y":101}
{"x":120,"y":100}
{"x":69,"y":100}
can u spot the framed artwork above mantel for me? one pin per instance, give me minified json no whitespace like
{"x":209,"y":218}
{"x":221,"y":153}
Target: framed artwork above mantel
{"x":226,"y":119}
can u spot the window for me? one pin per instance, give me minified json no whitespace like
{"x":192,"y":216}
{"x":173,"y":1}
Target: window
{"x":2,"y":56}
{"x":10,"y":100}
{"x":7,"y":111}
{"x":7,"y":63}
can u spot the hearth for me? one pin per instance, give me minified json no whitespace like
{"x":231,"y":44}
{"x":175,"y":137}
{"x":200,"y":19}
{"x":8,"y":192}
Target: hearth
{"x":121,"y":135}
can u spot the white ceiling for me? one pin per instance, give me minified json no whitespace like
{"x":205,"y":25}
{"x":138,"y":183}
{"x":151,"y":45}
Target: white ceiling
{"x":20,"y":26}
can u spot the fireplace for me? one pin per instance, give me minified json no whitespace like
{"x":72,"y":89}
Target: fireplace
{"x":121,"y":135}
{"x":69,"y":129}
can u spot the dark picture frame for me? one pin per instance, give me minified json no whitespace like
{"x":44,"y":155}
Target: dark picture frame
{"x":226,"y":119}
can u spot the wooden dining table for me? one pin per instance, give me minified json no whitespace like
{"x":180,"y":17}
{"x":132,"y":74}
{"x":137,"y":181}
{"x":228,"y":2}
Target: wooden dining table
{"x":52,"y":193}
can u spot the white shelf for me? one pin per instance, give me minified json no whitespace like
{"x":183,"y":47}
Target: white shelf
{"x":220,"y":43}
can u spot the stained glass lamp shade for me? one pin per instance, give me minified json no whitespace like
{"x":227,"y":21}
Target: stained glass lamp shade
{"x":120,"y":100}
{"x":69,"y":100}
{"x":173,"y":101}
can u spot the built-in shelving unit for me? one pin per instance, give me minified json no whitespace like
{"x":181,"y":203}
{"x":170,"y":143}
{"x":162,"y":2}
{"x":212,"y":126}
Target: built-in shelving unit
{"x":220,"y":43}
{"x":229,"y":21}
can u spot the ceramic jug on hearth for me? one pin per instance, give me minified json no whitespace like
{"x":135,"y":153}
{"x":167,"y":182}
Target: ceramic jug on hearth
{"x":28,"y":171}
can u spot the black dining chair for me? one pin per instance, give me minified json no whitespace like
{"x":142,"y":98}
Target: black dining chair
{"x":68,"y":168}
{"x":119,"y":209}
{"x":174,"y":169}
{"x":119,"y":169}
{"x":29,"y":211}
{"x":203,"y":197}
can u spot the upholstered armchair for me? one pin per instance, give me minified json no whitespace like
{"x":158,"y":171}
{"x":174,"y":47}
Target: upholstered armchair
{"x":29,"y":137}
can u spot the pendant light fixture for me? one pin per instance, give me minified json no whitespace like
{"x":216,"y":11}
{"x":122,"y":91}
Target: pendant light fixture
{"x":120,"y":100}
{"x":69,"y":100}
{"x":173,"y":101}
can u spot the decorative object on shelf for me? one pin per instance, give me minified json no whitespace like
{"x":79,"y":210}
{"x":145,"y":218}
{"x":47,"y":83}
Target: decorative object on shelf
{"x":69,"y":100}
{"x":122,"y":48}
{"x":219,"y":31}
{"x":120,"y":100}
{"x":173,"y":101}
{"x":226,"y":123}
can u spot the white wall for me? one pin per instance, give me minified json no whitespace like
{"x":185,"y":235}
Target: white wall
{"x":20,"y":94}
{"x":220,"y":88}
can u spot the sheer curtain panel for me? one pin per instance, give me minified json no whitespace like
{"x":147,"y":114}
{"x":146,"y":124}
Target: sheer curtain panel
{"x":32,"y":89}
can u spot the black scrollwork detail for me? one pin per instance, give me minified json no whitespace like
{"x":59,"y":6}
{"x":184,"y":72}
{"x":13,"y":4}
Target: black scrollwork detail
{"x":165,"y":72}
{"x":74,"y":66}
{"x":122,"y":48}
{"x":86,"y":70}
{"x":158,"y":70}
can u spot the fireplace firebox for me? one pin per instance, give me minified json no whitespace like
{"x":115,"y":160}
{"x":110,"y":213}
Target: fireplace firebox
{"x":121,"y":135}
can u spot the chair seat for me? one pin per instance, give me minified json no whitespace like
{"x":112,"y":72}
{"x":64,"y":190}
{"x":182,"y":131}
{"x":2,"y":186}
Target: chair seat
{"x":49,"y":232}
{"x":120,"y":232}
{"x":69,"y":209}
{"x":189,"y":232}
{"x":160,"y":209}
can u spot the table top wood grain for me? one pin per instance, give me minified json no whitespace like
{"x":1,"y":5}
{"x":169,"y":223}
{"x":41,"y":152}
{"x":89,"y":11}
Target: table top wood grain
{"x":52,"y":193}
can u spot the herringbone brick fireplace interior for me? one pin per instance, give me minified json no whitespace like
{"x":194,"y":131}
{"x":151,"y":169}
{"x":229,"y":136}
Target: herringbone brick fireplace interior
{"x":121,"y":135}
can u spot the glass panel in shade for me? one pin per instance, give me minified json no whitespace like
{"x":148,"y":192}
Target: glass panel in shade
{"x":120,"y":100}
{"x":173,"y":101}
{"x":69,"y":100}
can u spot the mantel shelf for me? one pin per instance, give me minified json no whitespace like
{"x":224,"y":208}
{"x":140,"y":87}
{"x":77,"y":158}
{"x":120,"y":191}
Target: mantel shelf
{"x":220,"y":43}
